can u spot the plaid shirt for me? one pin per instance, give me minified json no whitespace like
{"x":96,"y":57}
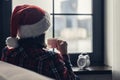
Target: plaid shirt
{"x":44,"y":62}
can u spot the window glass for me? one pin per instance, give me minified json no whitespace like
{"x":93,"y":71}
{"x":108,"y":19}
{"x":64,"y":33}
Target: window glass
{"x":73,"y":6}
{"x":41,"y":3}
{"x":76,"y":30}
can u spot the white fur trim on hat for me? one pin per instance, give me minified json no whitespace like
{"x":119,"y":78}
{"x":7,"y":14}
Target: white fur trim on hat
{"x":11,"y":42}
{"x":36,"y":29}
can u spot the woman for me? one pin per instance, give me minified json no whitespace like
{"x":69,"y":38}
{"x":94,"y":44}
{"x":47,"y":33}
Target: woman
{"x":26,"y":47}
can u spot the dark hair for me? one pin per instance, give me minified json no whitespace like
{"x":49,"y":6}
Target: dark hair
{"x":37,"y":42}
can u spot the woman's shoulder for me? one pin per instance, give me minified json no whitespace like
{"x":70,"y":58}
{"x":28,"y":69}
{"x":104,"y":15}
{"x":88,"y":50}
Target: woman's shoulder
{"x":9,"y":50}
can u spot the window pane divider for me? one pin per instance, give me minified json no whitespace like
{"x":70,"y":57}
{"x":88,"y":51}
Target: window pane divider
{"x":68,"y":14}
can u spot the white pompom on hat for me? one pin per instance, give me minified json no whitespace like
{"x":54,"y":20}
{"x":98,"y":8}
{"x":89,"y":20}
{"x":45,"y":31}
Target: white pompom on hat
{"x":27,"y":21}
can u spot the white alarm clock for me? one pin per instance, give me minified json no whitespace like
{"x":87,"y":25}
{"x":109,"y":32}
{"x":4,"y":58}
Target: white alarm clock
{"x":83,"y":61}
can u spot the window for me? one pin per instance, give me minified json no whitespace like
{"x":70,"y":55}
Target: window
{"x":71,"y":21}
{"x":83,"y":20}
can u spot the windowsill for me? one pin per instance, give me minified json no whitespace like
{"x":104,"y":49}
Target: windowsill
{"x":93,"y":70}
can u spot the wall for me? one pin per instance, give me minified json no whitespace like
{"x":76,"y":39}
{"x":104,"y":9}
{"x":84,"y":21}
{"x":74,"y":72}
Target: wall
{"x":116,"y":30}
{"x":109,"y":32}
{"x":112,"y":53}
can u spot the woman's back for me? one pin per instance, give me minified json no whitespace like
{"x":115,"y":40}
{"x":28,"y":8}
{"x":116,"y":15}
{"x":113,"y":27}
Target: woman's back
{"x":44,"y":62}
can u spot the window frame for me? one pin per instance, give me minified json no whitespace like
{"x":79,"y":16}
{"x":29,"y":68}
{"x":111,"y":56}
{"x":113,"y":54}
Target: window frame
{"x":97,"y":57}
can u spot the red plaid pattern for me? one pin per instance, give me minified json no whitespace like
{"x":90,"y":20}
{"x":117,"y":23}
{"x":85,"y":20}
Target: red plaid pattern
{"x":44,"y":62}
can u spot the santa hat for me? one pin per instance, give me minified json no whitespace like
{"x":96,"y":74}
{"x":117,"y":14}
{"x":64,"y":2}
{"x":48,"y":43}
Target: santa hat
{"x":27,"y":21}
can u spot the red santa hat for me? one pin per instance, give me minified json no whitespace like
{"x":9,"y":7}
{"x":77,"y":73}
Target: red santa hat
{"x":27,"y":21}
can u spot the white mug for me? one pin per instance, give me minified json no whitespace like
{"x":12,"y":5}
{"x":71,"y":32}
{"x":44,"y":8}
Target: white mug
{"x":52,"y":43}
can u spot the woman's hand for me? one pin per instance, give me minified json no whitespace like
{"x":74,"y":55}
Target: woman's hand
{"x":62,"y":47}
